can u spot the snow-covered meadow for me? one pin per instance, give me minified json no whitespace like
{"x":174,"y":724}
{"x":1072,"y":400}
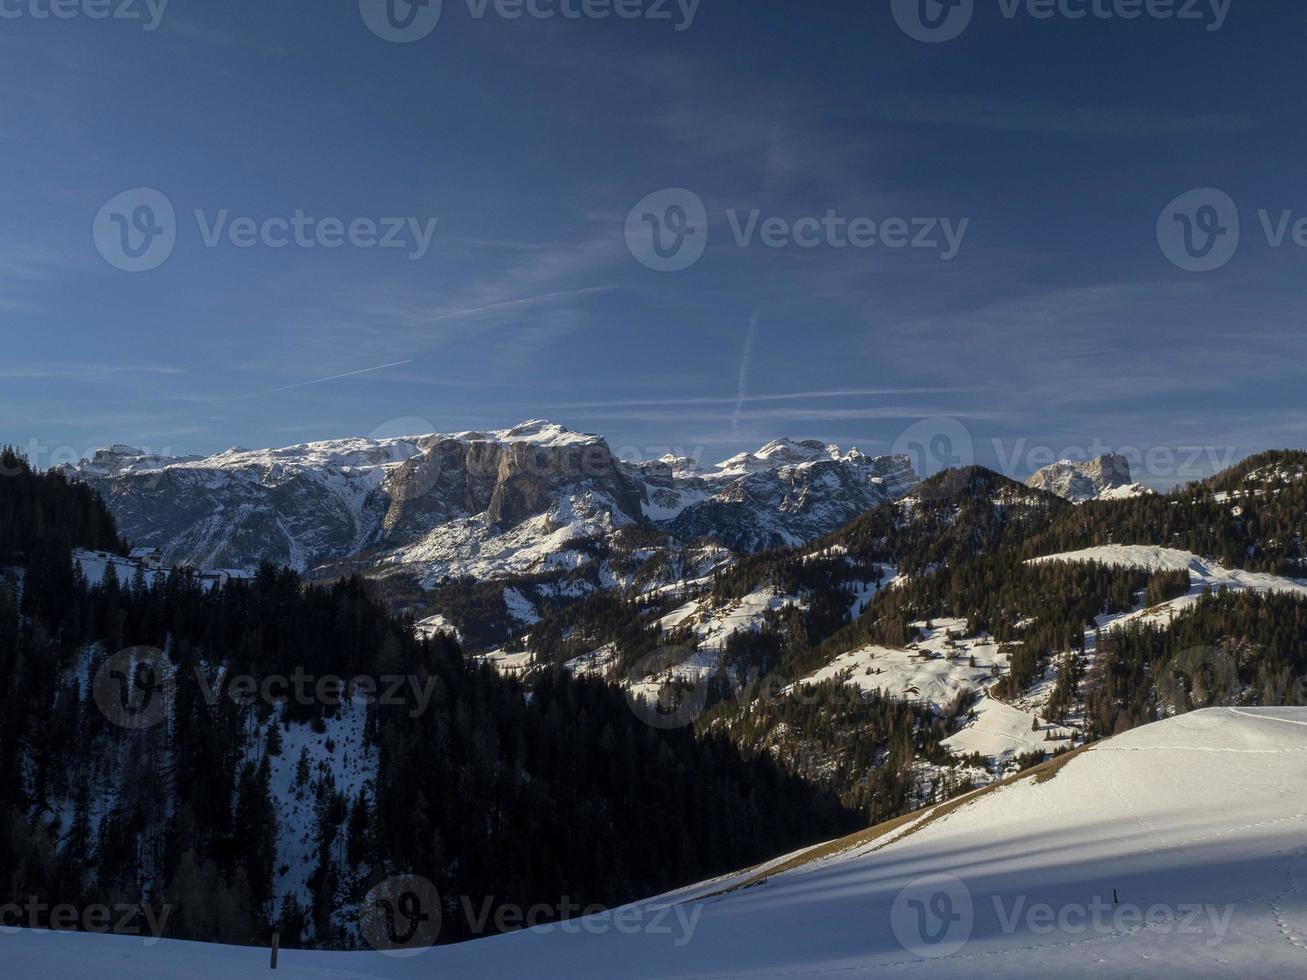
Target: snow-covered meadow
{"x":1173,"y":850}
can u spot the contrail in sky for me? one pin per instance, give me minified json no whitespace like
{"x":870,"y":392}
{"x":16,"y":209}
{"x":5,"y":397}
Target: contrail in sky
{"x":334,"y":377}
{"x":743,"y":394}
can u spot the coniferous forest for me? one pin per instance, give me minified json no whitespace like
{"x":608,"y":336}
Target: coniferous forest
{"x":495,"y":791}
{"x":547,"y":789}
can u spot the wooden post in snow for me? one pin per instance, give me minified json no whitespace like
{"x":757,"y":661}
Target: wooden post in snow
{"x":276,"y":945}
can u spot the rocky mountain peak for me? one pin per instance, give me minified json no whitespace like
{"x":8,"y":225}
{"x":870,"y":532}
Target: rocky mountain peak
{"x":1093,"y":479}
{"x":480,"y":503}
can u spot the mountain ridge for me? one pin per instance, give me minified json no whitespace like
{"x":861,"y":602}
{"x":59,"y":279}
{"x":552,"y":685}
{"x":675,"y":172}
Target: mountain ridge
{"x":483,"y":503}
{"x":1105,"y":477}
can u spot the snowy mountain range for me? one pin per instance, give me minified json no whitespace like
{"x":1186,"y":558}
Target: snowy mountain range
{"x":530,"y":499}
{"x":1101,"y":478}
{"x":917,"y":660}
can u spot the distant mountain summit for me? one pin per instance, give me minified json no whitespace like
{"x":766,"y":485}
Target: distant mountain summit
{"x":1102,"y":478}
{"x":531,"y":499}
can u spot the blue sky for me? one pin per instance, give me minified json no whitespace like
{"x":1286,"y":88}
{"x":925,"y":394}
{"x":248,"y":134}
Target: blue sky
{"x":1059,"y":324}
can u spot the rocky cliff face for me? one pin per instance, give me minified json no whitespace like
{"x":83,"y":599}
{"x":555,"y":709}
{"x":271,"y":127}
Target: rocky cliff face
{"x":1099,"y":478}
{"x":788,"y":493}
{"x":238,"y":508}
{"x":508,"y":482}
{"x":532,"y":498}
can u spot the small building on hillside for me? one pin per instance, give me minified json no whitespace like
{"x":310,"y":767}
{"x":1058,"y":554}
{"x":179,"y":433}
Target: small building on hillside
{"x":150,"y":559}
{"x":213,"y":578}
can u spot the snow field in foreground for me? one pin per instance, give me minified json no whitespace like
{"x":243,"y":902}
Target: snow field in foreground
{"x":1177,"y":849}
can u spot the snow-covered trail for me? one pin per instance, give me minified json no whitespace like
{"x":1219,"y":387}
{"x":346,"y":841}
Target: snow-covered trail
{"x":1176,"y":850}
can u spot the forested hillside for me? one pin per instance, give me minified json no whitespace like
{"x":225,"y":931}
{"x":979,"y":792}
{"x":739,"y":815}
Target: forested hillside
{"x":823,"y":708}
{"x":495,"y":791}
{"x":960,"y":548}
{"x":1253,"y":515}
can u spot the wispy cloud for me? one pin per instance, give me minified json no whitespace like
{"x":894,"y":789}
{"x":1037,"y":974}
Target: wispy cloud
{"x":86,"y":371}
{"x":512,"y":305}
{"x":1035,"y":117}
{"x":1031,"y":344}
{"x":785,"y":396}
{"x":787,"y":415}
{"x":193,"y":30}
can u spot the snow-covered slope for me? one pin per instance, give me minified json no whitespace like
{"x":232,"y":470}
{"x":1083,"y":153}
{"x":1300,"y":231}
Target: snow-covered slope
{"x":1101,"y":478}
{"x":787,"y":493}
{"x":1203,"y":575}
{"x":529,"y":499}
{"x":943,"y":665}
{"x":1173,"y":850}
{"x":702,"y":622}
{"x":709,"y":625}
